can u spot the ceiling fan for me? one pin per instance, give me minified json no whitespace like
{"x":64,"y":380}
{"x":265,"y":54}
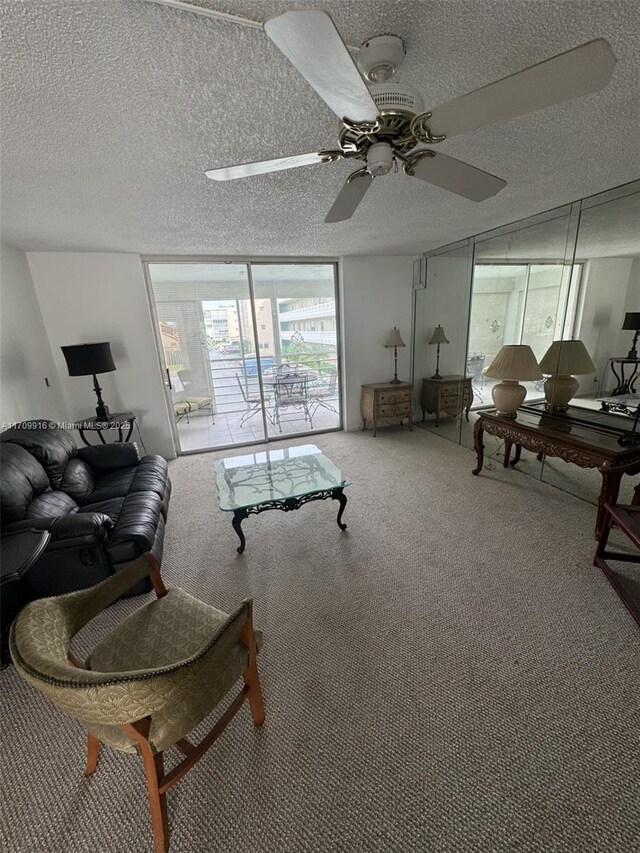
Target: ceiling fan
{"x":385,"y":123}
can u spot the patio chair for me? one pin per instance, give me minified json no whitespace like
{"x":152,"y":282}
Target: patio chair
{"x":148,"y":683}
{"x":291,"y":391}
{"x":475,"y":364}
{"x":251,"y":398}
{"x":323,"y":392}
{"x":196,"y":402}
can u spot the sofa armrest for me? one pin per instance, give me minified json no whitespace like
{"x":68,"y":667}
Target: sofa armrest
{"x":77,"y":525}
{"x":110,"y":457}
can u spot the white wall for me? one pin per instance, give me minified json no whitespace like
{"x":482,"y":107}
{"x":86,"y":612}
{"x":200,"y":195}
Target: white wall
{"x":25,"y":354}
{"x":376,"y":295}
{"x":87,"y":297}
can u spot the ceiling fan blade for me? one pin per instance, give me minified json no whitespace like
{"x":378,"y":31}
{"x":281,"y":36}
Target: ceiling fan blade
{"x":310,"y":41}
{"x":244,"y":170}
{"x":577,"y":72}
{"x":349,"y":197}
{"x":457,"y":177}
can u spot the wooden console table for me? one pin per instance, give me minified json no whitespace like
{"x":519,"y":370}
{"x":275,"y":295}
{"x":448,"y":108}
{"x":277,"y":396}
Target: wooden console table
{"x":581,"y":436}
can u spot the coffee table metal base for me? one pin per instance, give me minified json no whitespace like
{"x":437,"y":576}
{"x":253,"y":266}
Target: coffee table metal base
{"x":287,"y":505}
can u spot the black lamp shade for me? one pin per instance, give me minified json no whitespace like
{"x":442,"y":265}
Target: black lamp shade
{"x":88,"y":359}
{"x":632,"y":320}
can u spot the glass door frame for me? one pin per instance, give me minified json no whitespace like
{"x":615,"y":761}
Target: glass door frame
{"x":248,"y":261}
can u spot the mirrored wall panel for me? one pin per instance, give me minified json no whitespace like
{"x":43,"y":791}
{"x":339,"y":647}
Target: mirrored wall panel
{"x":540,"y":320}
{"x":441,"y":385}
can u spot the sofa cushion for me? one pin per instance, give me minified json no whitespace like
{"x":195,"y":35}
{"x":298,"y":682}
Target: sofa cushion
{"x":110,"y":507}
{"x":109,"y":457}
{"x":115,"y":484}
{"x":22,"y":478}
{"x":50,"y":505}
{"x":50,"y":445}
{"x":78,"y":480}
{"x":151,"y":475}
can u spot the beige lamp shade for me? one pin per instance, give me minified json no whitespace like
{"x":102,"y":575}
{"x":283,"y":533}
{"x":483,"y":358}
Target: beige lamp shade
{"x":394,"y":339}
{"x":565,"y":358}
{"x":438,"y":336}
{"x":514,"y":361}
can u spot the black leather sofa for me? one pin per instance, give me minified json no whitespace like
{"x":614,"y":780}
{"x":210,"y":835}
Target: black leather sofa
{"x":104,"y":506}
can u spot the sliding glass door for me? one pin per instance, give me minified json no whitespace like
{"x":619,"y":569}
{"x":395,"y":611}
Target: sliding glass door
{"x":249,"y":351}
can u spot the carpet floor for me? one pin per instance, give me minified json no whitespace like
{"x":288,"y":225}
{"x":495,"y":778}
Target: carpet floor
{"x":449,"y":674}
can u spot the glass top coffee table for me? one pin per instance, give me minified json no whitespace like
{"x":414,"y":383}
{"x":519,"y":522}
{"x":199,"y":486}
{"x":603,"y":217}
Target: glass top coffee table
{"x":282,"y":479}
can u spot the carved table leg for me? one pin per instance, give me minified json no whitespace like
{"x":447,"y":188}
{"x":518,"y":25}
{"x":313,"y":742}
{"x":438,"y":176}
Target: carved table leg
{"x":516,"y":456}
{"x":608,"y":495}
{"x":478,"y":432}
{"x":507,"y":453}
{"x":238,"y":516}
{"x":339,"y":495}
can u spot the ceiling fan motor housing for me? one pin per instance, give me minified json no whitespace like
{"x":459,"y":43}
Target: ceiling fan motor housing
{"x":379,"y":159}
{"x":396,"y":97}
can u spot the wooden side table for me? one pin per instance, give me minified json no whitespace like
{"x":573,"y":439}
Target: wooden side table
{"x":625,"y":384}
{"x":448,"y":394}
{"x":627,"y":519}
{"x":386,"y":401}
{"x":118,"y":420}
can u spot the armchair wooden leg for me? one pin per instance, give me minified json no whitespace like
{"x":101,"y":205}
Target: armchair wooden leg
{"x":93,"y":750}
{"x":254,"y":693}
{"x":154,"y":769}
{"x":251,"y":677}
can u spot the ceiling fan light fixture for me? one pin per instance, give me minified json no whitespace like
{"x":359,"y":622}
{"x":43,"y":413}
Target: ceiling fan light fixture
{"x":379,"y":159}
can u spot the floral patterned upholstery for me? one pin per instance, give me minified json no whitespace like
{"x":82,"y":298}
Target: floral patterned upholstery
{"x":172,"y":660}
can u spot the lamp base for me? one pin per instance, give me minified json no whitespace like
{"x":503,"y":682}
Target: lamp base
{"x":558,"y":391}
{"x":102,"y":412}
{"x":436,"y":375}
{"x":507,"y":396}
{"x":395,"y":381}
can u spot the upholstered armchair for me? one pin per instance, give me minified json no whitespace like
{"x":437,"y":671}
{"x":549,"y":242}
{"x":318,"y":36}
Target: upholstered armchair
{"x":148,"y":683}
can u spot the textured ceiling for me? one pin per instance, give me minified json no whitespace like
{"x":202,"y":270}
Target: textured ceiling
{"x":113,"y":109}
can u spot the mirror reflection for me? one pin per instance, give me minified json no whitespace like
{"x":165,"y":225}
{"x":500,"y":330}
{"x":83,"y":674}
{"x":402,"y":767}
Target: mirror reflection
{"x":538,"y":322}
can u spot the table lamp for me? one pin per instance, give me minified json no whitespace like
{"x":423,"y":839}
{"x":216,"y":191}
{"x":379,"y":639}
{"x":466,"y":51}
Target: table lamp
{"x":560,"y":361}
{"x":394,"y":340}
{"x":632,"y":321}
{"x":89,"y":360}
{"x":514,"y":362}
{"x":438,"y":337}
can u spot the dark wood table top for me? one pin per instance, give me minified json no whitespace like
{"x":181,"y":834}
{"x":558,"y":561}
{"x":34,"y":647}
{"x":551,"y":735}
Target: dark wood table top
{"x":592,"y":433}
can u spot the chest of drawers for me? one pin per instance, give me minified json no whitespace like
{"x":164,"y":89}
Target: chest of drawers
{"x":386,"y":401}
{"x":449,"y":394}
